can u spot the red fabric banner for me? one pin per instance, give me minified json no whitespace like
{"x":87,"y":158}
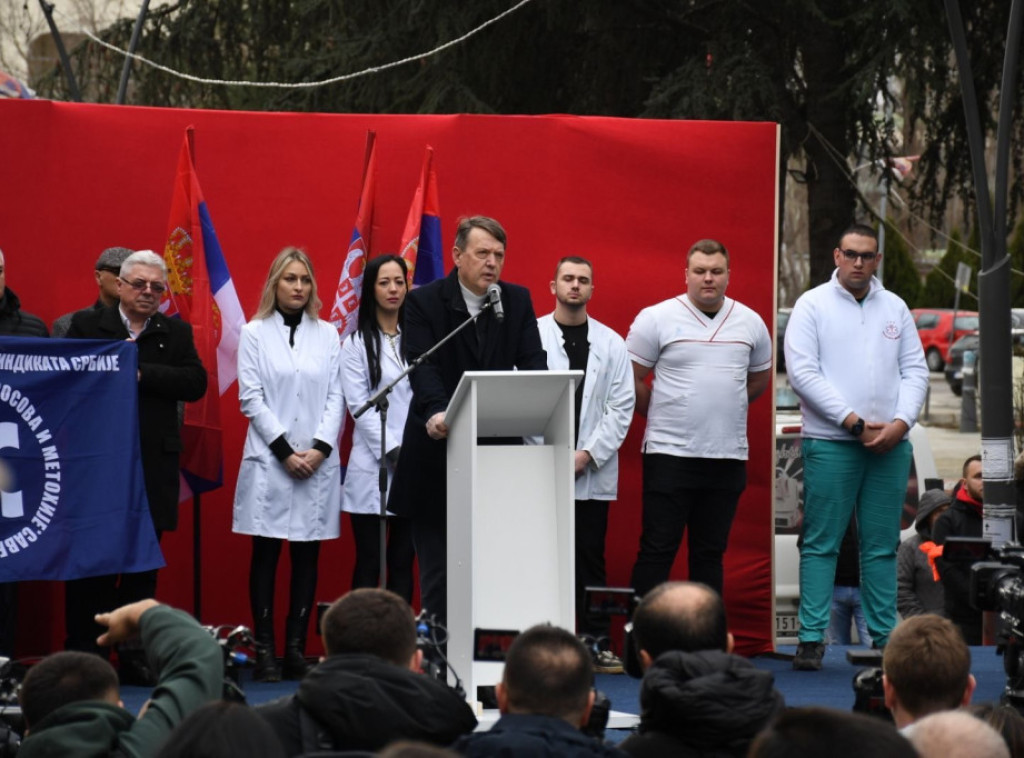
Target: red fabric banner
{"x":631,"y":195}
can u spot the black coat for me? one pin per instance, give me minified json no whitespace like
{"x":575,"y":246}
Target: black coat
{"x":709,"y":703}
{"x":960,"y":520}
{"x":361,"y":702}
{"x":432,"y":312}
{"x":529,"y":736}
{"x":15,"y":321}
{"x":169,"y":371}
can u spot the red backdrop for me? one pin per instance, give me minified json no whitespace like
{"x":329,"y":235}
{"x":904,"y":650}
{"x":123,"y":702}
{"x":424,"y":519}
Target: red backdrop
{"x":630,"y":195}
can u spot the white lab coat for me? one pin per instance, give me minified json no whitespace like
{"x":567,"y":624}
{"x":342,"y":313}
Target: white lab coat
{"x":362,"y":493}
{"x":608,"y":401}
{"x":295,"y":391}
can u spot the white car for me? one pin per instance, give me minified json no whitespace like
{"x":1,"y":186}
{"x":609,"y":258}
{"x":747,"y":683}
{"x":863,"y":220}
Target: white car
{"x":789,"y":504}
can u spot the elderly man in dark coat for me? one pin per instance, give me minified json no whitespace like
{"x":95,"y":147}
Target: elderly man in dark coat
{"x":169,"y":371}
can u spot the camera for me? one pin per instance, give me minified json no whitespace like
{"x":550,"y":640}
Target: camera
{"x":238,"y":646}
{"x":997,"y":584}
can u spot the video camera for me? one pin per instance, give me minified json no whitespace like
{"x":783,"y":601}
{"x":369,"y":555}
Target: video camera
{"x":238,"y":646}
{"x":997,"y":584}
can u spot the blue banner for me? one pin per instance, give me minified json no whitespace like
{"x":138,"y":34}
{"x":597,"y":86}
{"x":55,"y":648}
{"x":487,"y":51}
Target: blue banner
{"x":72,"y":497}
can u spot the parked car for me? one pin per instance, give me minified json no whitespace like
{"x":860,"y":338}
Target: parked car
{"x":955,"y":366}
{"x":789,"y":504}
{"x":781,"y":319}
{"x":938,"y":329}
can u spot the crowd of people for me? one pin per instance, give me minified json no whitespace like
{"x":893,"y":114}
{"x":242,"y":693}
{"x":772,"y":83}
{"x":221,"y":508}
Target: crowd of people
{"x":369,"y":696}
{"x":297,"y":379}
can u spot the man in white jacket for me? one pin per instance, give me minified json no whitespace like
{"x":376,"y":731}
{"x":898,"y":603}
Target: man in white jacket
{"x":604,"y":409}
{"x":855,"y":360}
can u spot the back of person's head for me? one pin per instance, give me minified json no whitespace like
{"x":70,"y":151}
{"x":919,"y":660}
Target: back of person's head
{"x":828,"y":733}
{"x":62,"y":678}
{"x":1006,"y":720}
{"x":222,"y":730}
{"x":927,"y":665}
{"x":686,"y":616}
{"x":956,"y":734}
{"x":371,"y":621}
{"x":548,"y":672}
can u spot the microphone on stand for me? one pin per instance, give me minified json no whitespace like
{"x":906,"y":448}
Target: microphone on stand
{"x":494,"y":298}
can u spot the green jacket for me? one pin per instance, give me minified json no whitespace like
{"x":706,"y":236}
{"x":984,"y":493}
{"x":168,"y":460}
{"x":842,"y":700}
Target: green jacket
{"x":190,"y":668}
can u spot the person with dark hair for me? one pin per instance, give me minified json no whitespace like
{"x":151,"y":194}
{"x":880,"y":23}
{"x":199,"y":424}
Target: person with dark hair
{"x":371,"y":358}
{"x":368,"y":691}
{"x":289,"y":483}
{"x":420,"y":488}
{"x":711,"y":356}
{"x":545,"y":696}
{"x":106,"y":272}
{"x":926,"y":668}
{"x":222,"y":730}
{"x":697,"y":698}
{"x":169,"y":372}
{"x":1006,"y":720}
{"x":604,"y":402}
{"x":70,"y":699}
{"x":962,"y":519}
{"x":855,"y":360}
{"x":827,"y":733}
{"x":918,"y":589}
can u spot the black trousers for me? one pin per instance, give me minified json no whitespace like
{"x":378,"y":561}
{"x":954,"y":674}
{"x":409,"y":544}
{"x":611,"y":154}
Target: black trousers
{"x":400,"y":553}
{"x":693,"y":495}
{"x":84,"y":598}
{"x":302,"y":589}
{"x":430,"y":536}
{"x":591,"y":531}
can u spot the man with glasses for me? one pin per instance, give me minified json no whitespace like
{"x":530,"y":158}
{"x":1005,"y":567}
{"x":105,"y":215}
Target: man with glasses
{"x":108,"y":269}
{"x":420,"y":487}
{"x":855,"y":360}
{"x":169,"y":371}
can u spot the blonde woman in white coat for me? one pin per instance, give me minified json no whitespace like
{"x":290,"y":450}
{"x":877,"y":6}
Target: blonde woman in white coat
{"x":289,"y":384}
{"x":371,"y":358}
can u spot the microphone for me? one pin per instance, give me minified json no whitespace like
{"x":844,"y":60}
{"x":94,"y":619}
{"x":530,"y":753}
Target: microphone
{"x":494,"y":298}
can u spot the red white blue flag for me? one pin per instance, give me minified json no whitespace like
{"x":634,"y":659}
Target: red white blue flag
{"x":202,"y":293}
{"x":421,"y":240}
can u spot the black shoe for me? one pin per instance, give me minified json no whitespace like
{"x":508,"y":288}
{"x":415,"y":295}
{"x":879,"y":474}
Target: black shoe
{"x":266,"y":668}
{"x":133,"y":671}
{"x":808,"y":656}
{"x":295,"y":665}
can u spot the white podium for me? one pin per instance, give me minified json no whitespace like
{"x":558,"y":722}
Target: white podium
{"x":510,"y":511}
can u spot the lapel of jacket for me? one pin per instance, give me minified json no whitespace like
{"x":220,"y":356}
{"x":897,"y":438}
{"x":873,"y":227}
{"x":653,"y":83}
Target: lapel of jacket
{"x":110,"y":323}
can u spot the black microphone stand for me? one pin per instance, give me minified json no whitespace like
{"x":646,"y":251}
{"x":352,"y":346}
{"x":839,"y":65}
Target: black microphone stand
{"x":379,"y":400}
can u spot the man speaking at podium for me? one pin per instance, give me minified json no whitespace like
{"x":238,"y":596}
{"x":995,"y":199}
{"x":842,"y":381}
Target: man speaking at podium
{"x":419,"y":490}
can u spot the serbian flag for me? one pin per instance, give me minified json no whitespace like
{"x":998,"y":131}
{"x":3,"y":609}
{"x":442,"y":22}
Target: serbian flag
{"x":345,"y":310}
{"x":201,"y":292}
{"x":421,"y":240}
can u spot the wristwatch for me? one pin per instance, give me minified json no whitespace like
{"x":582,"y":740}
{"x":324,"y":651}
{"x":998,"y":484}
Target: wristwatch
{"x":858,"y":428}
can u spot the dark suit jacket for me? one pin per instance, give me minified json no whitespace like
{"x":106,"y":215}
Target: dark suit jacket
{"x":170,"y":370}
{"x":431,"y":312}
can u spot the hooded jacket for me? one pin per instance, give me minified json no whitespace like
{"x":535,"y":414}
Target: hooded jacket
{"x":361,"y":702}
{"x":708,"y":703}
{"x":917,"y":591}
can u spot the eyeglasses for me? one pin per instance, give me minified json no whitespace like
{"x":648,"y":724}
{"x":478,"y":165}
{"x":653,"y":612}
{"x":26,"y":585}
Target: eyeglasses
{"x":110,"y":270}
{"x":140,"y":285}
{"x":853,"y":255}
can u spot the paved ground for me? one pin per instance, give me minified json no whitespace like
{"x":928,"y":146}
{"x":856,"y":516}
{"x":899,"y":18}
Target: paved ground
{"x":941,"y":420}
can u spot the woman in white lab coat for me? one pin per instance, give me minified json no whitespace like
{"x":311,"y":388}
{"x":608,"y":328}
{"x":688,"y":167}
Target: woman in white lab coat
{"x":289,"y":385}
{"x":370,"y":359}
